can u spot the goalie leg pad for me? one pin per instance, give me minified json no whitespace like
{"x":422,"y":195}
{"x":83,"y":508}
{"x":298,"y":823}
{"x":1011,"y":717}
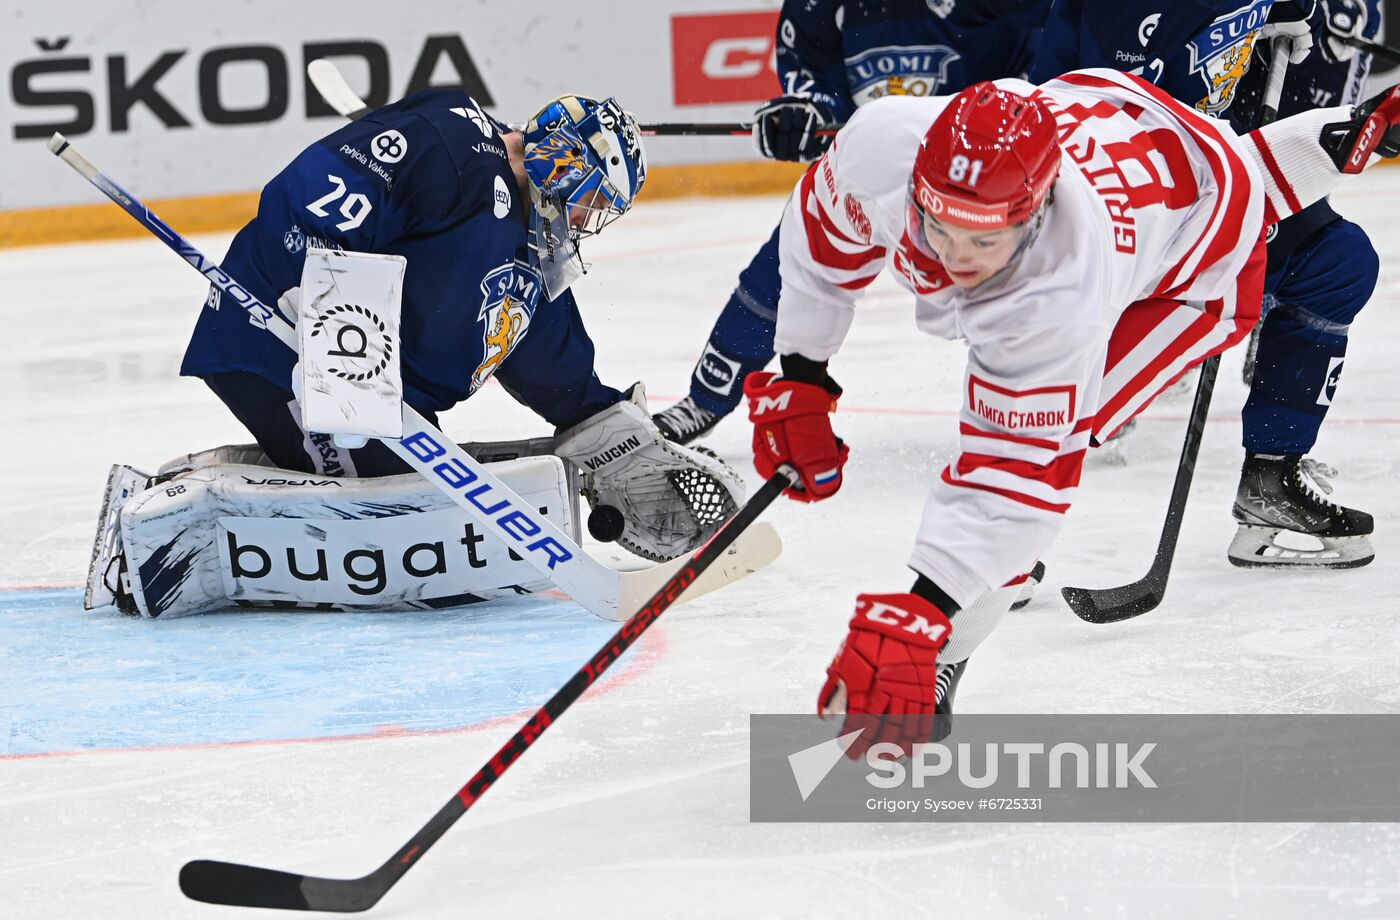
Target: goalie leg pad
{"x":236,"y":534}
{"x":243,"y":454}
{"x":672,"y":498}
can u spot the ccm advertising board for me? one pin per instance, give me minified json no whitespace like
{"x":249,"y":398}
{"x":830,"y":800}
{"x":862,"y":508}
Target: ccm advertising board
{"x":177,"y":99}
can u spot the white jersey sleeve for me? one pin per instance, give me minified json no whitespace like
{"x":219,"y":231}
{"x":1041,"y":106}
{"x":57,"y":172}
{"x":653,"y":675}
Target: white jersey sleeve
{"x":841,"y":224}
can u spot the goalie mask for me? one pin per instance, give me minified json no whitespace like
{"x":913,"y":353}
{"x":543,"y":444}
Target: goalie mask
{"x":586,"y":165}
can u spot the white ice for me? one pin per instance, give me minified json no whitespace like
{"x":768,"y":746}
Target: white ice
{"x":636,"y":803}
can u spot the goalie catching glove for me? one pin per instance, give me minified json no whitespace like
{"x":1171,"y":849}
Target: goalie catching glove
{"x":672,"y":498}
{"x":885,"y":675}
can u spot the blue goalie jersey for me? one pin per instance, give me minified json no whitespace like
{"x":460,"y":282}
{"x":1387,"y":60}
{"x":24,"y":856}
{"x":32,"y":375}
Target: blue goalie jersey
{"x":847,"y":52}
{"x":426,"y":178}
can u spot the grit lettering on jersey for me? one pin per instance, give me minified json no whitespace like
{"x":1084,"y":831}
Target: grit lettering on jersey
{"x":1103,"y":172}
{"x":1039,"y":408}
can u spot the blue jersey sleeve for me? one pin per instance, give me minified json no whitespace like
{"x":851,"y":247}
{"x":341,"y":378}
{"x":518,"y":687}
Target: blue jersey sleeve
{"x":551,"y":371}
{"x":810,"y":56}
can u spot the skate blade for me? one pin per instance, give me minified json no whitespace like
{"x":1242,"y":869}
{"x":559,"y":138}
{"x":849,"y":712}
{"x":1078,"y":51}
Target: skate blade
{"x":1027,"y":593}
{"x":1116,"y":450}
{"x":122,"y":483}
{"x":1258,"y":547}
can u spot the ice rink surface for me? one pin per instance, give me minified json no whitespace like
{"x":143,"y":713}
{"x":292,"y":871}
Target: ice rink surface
{"x":319,"y":743}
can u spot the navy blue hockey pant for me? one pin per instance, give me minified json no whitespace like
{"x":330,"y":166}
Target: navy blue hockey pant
{"x":1312,"y":294}
{"x":273,"y":417}
{"x":742,"y":339}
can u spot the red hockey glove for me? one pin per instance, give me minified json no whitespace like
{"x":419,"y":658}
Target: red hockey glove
{"x":884,"y":675}
{"x":1374,"y":128}
{"x":792,"y":425}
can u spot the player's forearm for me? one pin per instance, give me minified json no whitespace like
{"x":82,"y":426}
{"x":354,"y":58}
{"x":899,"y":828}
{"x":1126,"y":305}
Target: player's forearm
{"x":1295,"y":168}
{"x":817,"y":304}
{"x":811,"y":329}
{"x":811,"y":322}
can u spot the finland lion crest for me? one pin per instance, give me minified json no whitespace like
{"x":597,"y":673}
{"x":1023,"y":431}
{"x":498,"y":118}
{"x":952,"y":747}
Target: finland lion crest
{"x":1221,"y":53}
{"x":509,"y":295}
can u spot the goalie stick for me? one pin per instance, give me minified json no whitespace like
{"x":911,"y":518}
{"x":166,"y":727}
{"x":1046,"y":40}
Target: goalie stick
{"x":603,"y":591}
{"x":238,"y":885}
{"x":331,"y":84}
{"x":1113,"y":605}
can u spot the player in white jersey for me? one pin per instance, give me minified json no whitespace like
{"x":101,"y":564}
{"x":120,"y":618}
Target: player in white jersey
{"x":1091,"y":240}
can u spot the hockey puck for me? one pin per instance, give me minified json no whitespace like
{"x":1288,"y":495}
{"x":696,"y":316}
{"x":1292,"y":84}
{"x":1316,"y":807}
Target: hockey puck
{"x":605,"y":523}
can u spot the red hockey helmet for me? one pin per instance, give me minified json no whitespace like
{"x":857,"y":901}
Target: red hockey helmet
{"x":988,"y":161}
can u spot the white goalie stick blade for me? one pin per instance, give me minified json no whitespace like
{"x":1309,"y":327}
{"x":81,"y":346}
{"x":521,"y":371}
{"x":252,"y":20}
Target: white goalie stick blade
{"x":757,"y":547}
{"x":330,"y":83}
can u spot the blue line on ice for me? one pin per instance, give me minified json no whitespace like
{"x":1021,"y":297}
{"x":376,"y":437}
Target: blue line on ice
{"x":74,"y":681}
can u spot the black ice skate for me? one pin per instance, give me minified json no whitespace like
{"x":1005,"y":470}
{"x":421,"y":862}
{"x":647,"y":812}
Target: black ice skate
{"x":685,"y":421}
{"x":106,"y":583}
{"x":947,"y":682}
{"x":1027,"y":592}
{"x":1285,"y":520}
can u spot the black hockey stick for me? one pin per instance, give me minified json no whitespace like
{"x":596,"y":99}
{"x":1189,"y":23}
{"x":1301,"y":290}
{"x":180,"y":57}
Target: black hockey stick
{"x":249,"y":886}
{"x":696,"y":129}
{"x":1384,"y":52}
{"x":1112,"y":605}
{"x":331,"y":84}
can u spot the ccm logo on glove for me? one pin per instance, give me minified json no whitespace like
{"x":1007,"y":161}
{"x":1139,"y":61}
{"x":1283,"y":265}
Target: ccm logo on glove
{"x":792,"y":427}
{"x":877,"y":611}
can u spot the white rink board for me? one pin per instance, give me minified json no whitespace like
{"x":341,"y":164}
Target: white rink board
{"x":234,"y":76}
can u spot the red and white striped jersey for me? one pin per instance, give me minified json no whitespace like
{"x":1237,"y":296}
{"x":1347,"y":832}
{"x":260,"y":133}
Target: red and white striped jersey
{"x":1154,"y":200}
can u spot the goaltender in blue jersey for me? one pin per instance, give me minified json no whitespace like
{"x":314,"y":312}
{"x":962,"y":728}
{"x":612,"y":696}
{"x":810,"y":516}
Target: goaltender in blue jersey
{"x":489,"y":221}
{"x":429,"y":178}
